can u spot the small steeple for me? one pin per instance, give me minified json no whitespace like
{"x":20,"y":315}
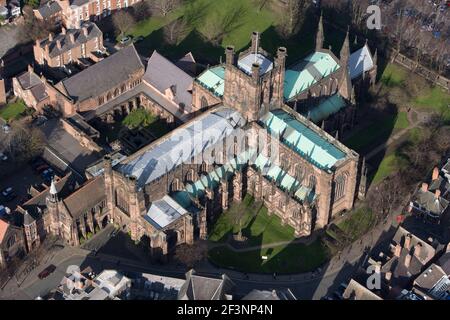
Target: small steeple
{"x":53,"y":192}
{"x":320,"y":38}
{"x":345,"y":51}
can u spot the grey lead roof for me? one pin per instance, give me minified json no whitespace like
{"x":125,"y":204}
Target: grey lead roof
{"x":104,"y":75}
{"x":181,"y":145}
{"x":163,"y":74}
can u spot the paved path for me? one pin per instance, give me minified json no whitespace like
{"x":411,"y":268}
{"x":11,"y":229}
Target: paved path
{"x":421,"y":118}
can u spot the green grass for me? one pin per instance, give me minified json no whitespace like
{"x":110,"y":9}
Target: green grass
{"x":435,"y":99}
{"x":394,"y":75}
{"x":388,"y":165}
{"x":243,"y":18}
{"x":377,"y":132}
{"x":291,"y":258}
{"x":13,"y":110}
{"x":139,"y":118}
{"x":258,"y":226}
{"x":357,"y":223}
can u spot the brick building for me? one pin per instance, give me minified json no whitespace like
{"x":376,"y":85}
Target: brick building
{"x":69,"y":46}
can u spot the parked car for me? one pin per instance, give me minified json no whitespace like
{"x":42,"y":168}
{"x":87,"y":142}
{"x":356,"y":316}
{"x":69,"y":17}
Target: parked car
{"x":3,"y":156}
{"x":4,"y":210}
{"x":46,"y":272}
{"x":9,"y":194}
{"x":48,"y":174}
{"x":125,"y":40}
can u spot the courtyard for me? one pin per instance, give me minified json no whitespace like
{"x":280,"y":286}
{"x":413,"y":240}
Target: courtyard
{"x":12,"y":110}
{"x":266,"y":245}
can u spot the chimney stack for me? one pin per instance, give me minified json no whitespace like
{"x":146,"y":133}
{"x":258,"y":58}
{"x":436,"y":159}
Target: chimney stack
{"x":255,"y":71}
{"x":378,"y":267}
{"x":388,"y":276}
{"x":424,"y":186}
{"x":281,"y":56}
{"x":50,"y":37}
{"x":407,"y":245}
{"x":408,"y":260}
{"x":229,"y":52}
{"x":85,"y":31}
{"x":58,"y":44}
{"x":398,"y":250}
{"x":435,"y":174}
{"x":72,"y":37}
{"x":63,"y":30}
{"x":418,"y":249}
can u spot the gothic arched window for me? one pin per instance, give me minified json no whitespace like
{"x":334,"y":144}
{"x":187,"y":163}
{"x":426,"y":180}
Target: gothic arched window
{"x":299,"y":172}
{"x":121,"y":201}
{"x":190,"y":175}
{"x":175,"y":186}
{"x":203,"y":102}
{"x":339,"y":190}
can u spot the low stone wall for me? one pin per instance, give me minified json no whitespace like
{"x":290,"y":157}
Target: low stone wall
{"x":81,"y":137}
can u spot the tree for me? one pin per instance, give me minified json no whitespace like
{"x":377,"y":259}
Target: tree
{"x":123,"y":21}
{"x":166,"y":6}
{"x":34,"y":29}
{"x":23,"y":143}
{"x":291,"y":17}
{"x":174,"y":31}
{"x":141,"y":11}
{"x":189,"y":255}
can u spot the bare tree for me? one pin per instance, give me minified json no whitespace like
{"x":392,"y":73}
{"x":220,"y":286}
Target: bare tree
{"x":166,"y":6}
{"x":174,"y":31}
{"x":189,"y":255}
{"x":23,"y":143}
{"x":123,"y":21}
{"x":141,"y":10}
{"x":291,"y":16}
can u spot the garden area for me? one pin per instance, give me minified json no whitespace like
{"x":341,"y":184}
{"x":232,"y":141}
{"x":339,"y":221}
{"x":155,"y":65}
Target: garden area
{"x":354,"y":226}
{"x":261,"y":229}
{"x":13,"y":110}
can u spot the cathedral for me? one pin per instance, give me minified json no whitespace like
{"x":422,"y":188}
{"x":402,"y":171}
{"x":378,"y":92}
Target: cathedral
{"x":250,"y":125}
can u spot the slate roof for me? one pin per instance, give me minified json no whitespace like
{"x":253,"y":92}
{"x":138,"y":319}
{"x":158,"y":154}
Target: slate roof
{"x":163,"y":74}
{"x":431,"y":203}
{"x":203,"y":288}
{"x":104,"y":75}
{"x":28,"y":80}
{"x":66,"y":44}
{"x":78,"y":2}
{"x":86,"y":197}
{"x":429,"y":277}
{"x":49,"y":9}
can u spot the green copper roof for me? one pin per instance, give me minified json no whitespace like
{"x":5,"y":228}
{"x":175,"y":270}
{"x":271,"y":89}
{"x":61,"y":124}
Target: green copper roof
{"x":214,"y":80}
{"x":283,"y":179}
{"x":303,"y":140}
{"x":308,"y":72}
{"x":326,"y":108}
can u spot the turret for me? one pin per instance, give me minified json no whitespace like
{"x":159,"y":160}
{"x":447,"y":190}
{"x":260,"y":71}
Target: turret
{"x":320,"y":38}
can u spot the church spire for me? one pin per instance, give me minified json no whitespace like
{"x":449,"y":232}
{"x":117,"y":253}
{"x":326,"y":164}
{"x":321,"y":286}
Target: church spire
{"x":345,"y":51}
{"x":320,"y":38}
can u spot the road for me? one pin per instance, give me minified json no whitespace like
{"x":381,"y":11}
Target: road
{"x":305,"y":286}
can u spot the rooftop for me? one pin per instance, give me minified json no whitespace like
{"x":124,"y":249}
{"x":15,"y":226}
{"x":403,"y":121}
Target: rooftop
{"x":104,"y":75}
{"x":180,"y":145}
{"x":326,"y":107}
{"x":163,"y":212}
{"x":163,"y":75}
{"x":309,"y":71}
{"x":79,"y":37}
{"x":360,"y":61}
{"x":264,"y":63}
{"x":49,"y":8}
{"x":305,"y":141}
{"x":214,"y":80}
